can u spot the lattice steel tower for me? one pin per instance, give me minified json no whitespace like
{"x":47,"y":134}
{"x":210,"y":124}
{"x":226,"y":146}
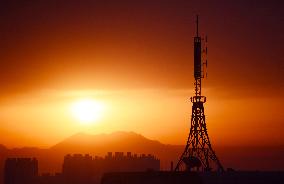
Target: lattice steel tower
{"x":198,"y":153}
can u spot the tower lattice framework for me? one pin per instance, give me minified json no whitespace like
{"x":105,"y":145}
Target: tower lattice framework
{"x":198,"y":153}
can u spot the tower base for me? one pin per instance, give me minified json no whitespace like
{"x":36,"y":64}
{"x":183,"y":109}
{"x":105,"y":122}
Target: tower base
{"x":198,"y":154}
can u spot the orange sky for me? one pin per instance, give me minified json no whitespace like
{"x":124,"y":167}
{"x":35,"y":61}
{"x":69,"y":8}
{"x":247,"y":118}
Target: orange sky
{"x":137,"y":59}
{"x":45,"y":117}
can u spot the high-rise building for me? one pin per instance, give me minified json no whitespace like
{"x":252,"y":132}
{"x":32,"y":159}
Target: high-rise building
{"x":20,"y":170}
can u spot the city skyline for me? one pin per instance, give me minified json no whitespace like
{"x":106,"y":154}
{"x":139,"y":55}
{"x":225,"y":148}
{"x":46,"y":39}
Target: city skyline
{"x":77,"y":168}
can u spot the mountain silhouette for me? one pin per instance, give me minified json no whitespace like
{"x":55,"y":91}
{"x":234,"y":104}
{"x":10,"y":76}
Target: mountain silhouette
{"x":117,"y":141}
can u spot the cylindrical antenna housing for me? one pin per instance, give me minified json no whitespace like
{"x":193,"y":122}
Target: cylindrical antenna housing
{"x":197,"y":54}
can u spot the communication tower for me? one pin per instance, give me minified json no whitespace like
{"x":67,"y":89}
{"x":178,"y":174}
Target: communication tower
{"x":198,"y":153}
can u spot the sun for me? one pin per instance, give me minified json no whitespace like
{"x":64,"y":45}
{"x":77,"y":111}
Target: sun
{"x":87,"y":111}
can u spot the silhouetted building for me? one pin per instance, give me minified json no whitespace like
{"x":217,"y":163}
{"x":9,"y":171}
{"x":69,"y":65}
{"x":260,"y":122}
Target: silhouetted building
{"x":79,"y":168}
{"x":47,"y":178}
{"x":20,"y":170}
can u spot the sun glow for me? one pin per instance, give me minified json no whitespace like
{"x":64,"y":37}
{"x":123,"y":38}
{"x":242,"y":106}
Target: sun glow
{"x":87,"y":111}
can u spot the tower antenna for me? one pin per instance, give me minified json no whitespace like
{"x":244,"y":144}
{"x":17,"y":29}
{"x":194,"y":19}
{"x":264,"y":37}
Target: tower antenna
{"x":198,"y":153}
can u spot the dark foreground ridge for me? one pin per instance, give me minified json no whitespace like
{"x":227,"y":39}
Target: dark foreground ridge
{"x":169,"y":177}
{"x":159,"y":177}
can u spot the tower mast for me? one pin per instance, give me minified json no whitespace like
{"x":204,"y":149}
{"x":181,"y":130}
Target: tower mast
{"x":198,"y":153}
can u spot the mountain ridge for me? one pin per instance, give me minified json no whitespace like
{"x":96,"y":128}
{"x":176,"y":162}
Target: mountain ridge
{"x":119,"y":141}
{"x":84,"y":138}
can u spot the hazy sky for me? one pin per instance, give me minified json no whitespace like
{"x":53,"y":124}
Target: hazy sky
{"x":136,"y":57}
